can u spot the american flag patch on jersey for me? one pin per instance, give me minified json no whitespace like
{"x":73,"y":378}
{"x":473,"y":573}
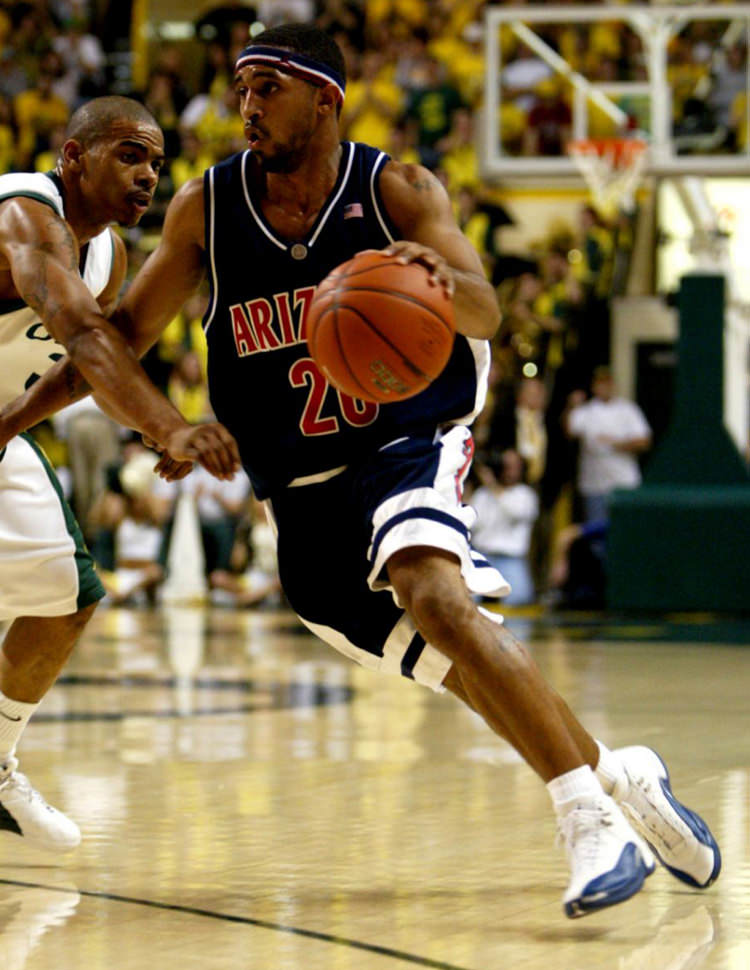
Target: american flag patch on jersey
{"x":354,"y":211}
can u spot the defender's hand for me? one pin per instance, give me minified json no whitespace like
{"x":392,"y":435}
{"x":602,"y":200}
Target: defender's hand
{"x":411,"y":252}
{"x":171,"y":470}
{"x":167,"y":468}
{"x":211,"y":445}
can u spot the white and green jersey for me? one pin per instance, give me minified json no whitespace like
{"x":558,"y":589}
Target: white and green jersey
{"x":45,"y":568}
{"x":26,"y":349}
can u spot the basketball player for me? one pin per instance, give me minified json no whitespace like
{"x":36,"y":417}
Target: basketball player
{"x":373,"y":540}
{"x":61,"y":270}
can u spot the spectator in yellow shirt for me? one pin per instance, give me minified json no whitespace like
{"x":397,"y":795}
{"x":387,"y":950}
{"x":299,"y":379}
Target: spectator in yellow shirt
{"x":7,"y":136}
{"x":38,"y":111}
{"x":373,"y":103}
{"x":459,"y":153}
{"x":192,"y":161}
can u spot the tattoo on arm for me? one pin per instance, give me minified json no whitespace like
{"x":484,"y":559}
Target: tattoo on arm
{"x":58,"y":246}
{"x":417,"y":180}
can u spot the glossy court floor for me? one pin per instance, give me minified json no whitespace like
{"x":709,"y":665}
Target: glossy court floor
{"x":248,"y":799}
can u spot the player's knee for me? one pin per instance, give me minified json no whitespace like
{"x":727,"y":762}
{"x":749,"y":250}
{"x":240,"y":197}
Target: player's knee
{"x":439,"y":610}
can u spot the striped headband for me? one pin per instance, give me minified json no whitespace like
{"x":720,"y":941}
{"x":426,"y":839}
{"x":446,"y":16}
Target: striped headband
{"x":293,"y":63}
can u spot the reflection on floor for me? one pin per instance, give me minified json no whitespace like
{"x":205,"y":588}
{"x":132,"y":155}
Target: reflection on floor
{"x":250,"y":799}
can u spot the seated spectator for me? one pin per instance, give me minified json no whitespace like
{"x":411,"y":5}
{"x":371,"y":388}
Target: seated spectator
{"x":684,"y":74}
{"x":535,"y":317}
{"x":728,"y":79}
{"x":402,"y":144}
{"x":521,"y":76}
{"x":160,"y":101}
{"x":431,"y":105}
{"x":46,"y":161}
{"x":215,"y":119}
{"x":136,"y":516}
{"x":38,"y":111}
{"x":549,"y":120}
{"x":254,"y":575}
{"x":458,"y":153}
{"x":192,"y":160}
{"x":184,"y":333}
{"x":83,"y":60}
{"x":578,"y":570}
{"x":463,"y":55}
{"x":506,"y":511}
{"x":511,"y":126}
{"x":475,"y":224}
{"x":612,"y":432}
{"x":220,"y":505}
{"x":187,"y":388}
{"x":7,"y":134}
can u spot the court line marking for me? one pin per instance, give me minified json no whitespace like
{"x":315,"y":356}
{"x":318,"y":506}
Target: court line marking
{"x":245,"y":920}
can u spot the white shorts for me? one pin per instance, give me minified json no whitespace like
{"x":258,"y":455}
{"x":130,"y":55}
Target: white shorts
{"x":45,"y":568}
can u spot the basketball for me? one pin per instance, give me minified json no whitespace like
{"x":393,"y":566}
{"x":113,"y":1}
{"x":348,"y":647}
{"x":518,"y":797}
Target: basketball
{"x":379,"y":330}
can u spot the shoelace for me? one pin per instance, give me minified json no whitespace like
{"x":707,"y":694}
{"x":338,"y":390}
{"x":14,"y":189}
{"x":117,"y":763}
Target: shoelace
{"x":583,"y":821}
{"x":23,"y":786}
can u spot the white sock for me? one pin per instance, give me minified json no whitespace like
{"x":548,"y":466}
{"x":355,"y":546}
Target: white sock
{"x":610,"y":771}
{"x":14,"y":716}
{"x":574,"y":788}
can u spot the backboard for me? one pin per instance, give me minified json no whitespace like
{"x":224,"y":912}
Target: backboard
{"x":676,"y":76}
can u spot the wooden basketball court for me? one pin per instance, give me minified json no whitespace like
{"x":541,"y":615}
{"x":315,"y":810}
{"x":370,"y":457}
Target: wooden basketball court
{"x":250,"y":799}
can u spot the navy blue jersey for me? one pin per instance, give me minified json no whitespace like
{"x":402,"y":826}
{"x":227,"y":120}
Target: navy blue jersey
{"x":289,"y":422}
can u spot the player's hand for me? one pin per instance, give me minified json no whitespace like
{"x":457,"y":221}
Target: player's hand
{"x":167,"y":468}
{"x":171,"y":470}
{"x":406,"y":251}
{"x":211,"y":445}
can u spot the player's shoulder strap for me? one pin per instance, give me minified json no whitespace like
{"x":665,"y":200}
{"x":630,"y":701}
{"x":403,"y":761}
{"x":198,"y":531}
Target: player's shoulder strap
{"x":43,"y":186}
{"x":368,"y":164}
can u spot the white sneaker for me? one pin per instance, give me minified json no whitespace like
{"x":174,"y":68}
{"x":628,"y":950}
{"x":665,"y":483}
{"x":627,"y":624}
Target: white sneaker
{"x":25,"y":812}
{"x":678,"y":836}
{"x":608,"y":861}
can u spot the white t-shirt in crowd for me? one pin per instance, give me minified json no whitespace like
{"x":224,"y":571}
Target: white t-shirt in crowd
{"x":209,"y":508}
{"x":505,"y":519}
{"x":601,"y":467}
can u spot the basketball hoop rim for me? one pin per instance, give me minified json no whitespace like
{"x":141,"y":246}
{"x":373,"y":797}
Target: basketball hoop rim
{"x":620,"y":152}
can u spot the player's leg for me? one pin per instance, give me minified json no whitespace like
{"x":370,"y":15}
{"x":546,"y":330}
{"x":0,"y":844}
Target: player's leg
{"x":34,"y":652}
{"x":504,"y":685}
{"x":49,"y":586}
{"x":639,"y":782}
{"x":500,"y":678}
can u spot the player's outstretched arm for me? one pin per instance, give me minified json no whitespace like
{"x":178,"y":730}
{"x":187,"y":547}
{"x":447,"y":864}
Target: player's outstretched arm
{"x":42,"y":254}
{"x":419,"y":207}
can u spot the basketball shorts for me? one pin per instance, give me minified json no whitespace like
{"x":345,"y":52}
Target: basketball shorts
{"x":45,"y":567}
{"x":335,"y":538}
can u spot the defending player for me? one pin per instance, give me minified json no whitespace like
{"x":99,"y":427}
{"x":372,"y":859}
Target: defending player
{"x":61,"y":270}
{"x":373,"y":539}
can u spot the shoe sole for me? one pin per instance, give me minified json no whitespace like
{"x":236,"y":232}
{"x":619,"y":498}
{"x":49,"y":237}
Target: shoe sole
{"x":696,"y":825}
{"x":594,"y":898}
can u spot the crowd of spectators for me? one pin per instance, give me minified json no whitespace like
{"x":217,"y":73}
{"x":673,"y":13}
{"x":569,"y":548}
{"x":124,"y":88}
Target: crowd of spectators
{"x":415,"y":88}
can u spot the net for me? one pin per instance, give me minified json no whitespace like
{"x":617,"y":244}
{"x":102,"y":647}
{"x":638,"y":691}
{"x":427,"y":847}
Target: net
{"x":612,"y":168}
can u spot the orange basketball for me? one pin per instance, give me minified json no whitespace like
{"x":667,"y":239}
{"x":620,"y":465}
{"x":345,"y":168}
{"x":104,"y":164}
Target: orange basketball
{"x":379,"y":330}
